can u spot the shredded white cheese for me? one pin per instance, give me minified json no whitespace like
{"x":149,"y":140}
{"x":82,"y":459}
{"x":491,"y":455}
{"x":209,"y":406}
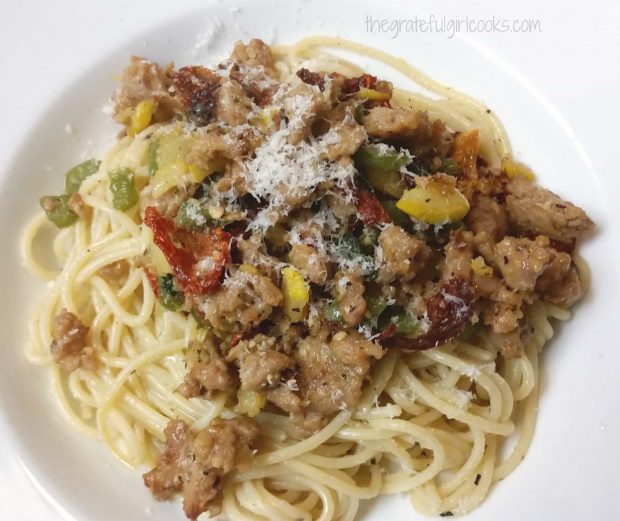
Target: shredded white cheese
{"x":285,"y":173}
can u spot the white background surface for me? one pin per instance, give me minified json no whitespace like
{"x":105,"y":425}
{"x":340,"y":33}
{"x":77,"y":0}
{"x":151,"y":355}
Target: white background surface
{"x":574,"y":62}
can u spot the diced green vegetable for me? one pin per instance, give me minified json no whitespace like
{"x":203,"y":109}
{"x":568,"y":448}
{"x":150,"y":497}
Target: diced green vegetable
{"x":333,"y":312}
{"x":360,"y":113}
{"x":192,"y":215}
{"x":417,"y":167}
{"x":58,"y":211}
{"x":124,"y":192}
{"x":405,"y":324}
{"x":378,"y":157}
{"x":399,"y":217}
{"x":387,"y":182}
{"x":349,"y":250}
{"x":375,"y":306}
{"x":200,"y":319}
{"x":151,"y":157}
{"x":372,"y":274}
{"x":169,"y":296}
{"x":450,"y":167}
{"x":75,"y":176}
{"x":470,"y":331}
{"x":348,"y":247}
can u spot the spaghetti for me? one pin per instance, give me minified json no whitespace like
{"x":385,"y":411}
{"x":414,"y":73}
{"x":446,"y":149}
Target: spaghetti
{"x":431,"y":423}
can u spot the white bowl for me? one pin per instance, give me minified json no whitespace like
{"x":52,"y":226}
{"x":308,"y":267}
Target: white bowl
{"x":569,"y":472}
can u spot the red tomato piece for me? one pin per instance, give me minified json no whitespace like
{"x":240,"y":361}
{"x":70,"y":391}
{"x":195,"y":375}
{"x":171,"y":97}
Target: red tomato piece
{"x":152,"y":278}
{"x":197,"y":258}
{"x":370,"y":208}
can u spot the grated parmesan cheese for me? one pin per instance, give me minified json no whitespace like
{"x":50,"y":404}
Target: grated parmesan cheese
{"x":281,"y":172}
{"x":193,"y":212}
{"x":239,"y":279}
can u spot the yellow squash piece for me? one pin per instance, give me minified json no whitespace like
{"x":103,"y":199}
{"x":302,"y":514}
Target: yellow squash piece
{"x":172,"y":153}
{"x":250,"y":402}
{"x":214,"y":165}
{"x":198,"y":174}
{"x":296,"y":293}
{"x":514,"y":169}
{"x":434,"y":200}
{"x":173,"y":147}
{"x":480,"y":268}
{"x":264,"y":120}
{"x":248,"y":268}
{"x":167,"y":177}
{"x":371,"y":94}
{"x":141,"y":117}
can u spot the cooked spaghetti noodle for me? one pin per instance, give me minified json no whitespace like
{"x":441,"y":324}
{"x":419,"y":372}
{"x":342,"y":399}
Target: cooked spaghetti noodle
{"x":431,"y":423}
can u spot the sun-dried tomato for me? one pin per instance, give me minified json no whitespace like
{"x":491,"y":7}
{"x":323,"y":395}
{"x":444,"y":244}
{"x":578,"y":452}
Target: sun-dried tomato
{"x":311,"y":78}
{"x":352,"y":85}
{"x":152,"y":278}
{"x":448,"y":312}
{"x":387,"y":333}
{"x":184,"y":250}
{"x":370,"y":208}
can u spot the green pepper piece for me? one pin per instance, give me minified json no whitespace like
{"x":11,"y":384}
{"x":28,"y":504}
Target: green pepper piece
{"x":192,"y":215}
{"x":123,"y":188}
{"x":418,"y":168}
{"x":450,"y":167}
{"x":371,"y":275}
{"x":398,"y":217}
{"x":375,"y":306}
{"x":348,"y":247}
{"x":58,"y":211}
{"x":470,"y":331}
{"x":360,"y":113}
{"x":389,"y":183}
{"x":151,"y":157}
{"x":372,"y":157}
{"x":75,"y":176}
{"x":405,"y":324}
{"x":200,"y":319}
{"x":333,"y":312}
{"x":169,"y":296}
